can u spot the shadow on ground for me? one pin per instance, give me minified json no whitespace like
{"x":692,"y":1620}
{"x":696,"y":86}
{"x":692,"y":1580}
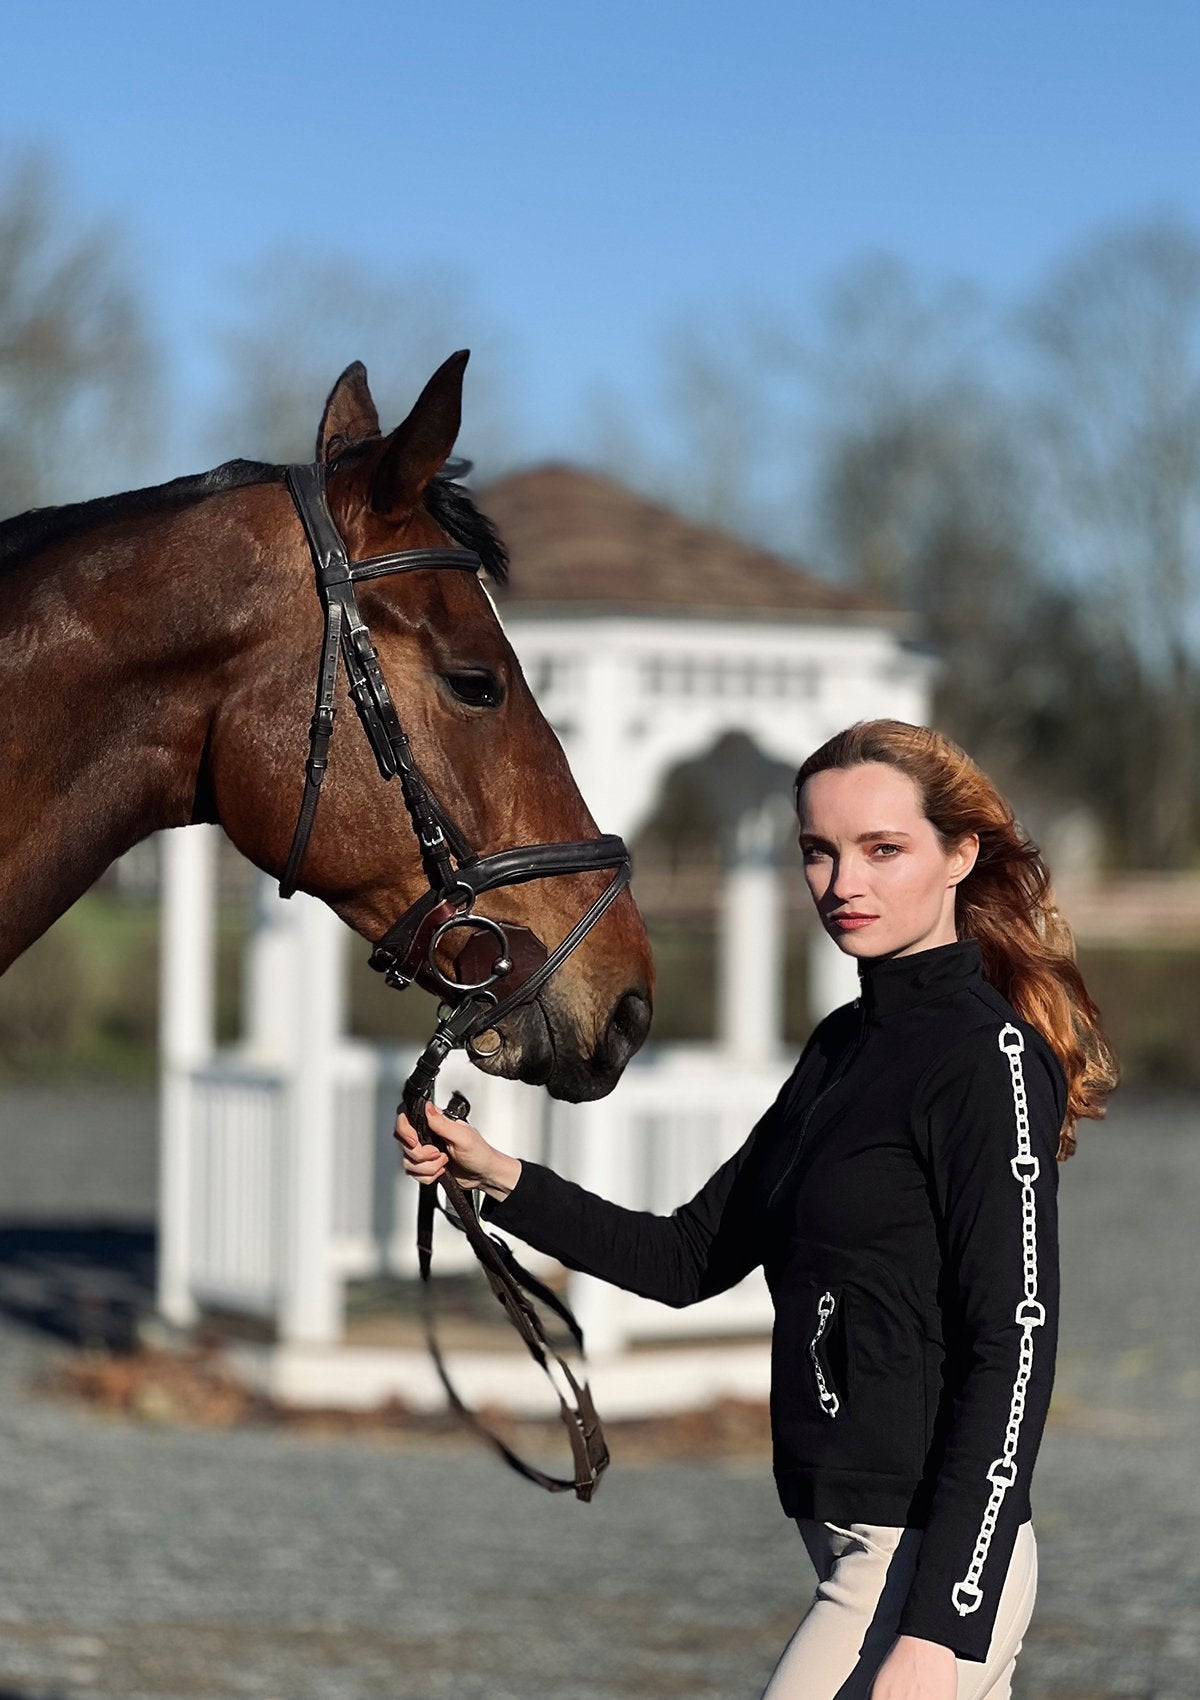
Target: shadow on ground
{"x":86,"y":1285}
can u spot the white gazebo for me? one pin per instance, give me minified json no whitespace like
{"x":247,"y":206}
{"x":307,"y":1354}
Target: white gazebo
{"x":646,"y":640}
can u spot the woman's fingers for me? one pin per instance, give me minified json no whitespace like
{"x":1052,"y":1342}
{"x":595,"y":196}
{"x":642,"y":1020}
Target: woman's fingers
{"x":412,"y":1141}
{"x":423,"y":1156}
{"x":447,"y":1128}
{"x":406,"y":1133}
{"x":428,"y":1163}
{"x":468,"y":1156}
{"x":424,"y":1178}
{"x":454,"y":1133}
{"x":424,"y":1163}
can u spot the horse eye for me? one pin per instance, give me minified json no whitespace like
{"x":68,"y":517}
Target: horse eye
{"x":477,"y":688}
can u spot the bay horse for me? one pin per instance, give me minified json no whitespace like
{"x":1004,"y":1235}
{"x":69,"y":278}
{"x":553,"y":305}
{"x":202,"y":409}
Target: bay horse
{"x":158,"y":652}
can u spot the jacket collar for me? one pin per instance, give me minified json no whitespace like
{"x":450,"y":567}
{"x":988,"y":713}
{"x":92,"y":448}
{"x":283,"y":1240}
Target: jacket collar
{"x":896,"y":983}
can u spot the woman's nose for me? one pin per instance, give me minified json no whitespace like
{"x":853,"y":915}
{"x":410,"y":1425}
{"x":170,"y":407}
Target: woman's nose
{"x":844,"y":883}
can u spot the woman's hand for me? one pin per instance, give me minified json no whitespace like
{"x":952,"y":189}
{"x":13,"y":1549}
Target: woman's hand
{"x":916,"y":1670}
{"x":472,"y":1161}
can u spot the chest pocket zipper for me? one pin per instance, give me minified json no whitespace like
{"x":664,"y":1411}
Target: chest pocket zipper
{"x":830,"y":1403}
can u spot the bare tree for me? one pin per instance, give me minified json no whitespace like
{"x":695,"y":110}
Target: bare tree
{"x":905,"y":441}
{"x":76,"y":365}
{"x":924,"y":507}
{"x":923,"y":498}
{"x":302,"y":320}
{"x":1066,"y":622}
{"x":750,"y":398}
{"x":722,"y":437}
{"x":1117,"y":331}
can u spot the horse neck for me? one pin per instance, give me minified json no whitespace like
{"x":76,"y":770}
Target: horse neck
{"x":110,"y":649}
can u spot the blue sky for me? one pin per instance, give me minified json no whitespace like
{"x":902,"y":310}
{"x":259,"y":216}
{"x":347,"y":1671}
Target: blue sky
{"x":594,"y":172}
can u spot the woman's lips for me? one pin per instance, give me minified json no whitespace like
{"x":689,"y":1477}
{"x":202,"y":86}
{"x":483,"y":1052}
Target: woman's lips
{"x":851,"y":923}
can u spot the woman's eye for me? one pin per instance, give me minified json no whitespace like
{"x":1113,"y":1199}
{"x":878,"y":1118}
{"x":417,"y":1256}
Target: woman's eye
{"x":476,"y":687}
{"x":887,"y":851}
{"x":811,"y":853}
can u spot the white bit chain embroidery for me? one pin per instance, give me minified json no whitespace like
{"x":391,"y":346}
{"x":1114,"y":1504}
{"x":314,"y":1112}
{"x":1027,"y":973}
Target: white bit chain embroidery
{"x":830,"y":1403}
{"x":1030,"y":1314}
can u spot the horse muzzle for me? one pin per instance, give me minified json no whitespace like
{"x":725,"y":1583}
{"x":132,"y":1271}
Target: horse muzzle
{"x":541,"y":1043}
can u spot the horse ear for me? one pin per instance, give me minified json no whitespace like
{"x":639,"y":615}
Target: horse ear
{"x":417,"y":450}
{"x":349,"y":414}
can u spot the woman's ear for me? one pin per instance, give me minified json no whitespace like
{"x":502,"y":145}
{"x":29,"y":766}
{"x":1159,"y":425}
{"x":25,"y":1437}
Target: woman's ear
{"x":963,"y":858}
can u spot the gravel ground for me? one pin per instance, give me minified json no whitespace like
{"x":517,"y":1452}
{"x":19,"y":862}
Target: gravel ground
{"x":79,"y":1151}
{"x":146,"y":1563}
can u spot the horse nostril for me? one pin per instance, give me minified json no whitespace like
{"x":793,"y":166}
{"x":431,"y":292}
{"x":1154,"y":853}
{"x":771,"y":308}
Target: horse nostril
{"x":627,"y":1028}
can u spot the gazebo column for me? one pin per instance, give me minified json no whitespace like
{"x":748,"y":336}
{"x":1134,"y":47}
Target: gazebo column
{"x":751,"y":942}
{"x":599,"y":754}
{"x":271,"y":974}
{"x":832,"y":976}
{"x":294,"y":1000}
{"x":187,"y":1037}
{"x":310,"y":1304}
{"x":602,"y":1150}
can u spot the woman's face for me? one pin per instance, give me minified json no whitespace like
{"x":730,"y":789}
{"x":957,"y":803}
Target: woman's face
{"x":881,"y":880}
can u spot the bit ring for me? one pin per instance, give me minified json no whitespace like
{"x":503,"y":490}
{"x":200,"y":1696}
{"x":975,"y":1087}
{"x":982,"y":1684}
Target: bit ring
{"x":501,"y":966}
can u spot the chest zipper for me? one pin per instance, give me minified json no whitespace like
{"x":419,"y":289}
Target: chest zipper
{"x":840,"y":1074}
{"x":830,"y":1403}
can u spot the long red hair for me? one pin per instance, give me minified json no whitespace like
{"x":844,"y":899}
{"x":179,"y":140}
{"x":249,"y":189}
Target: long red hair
{"x":1005,"y":902}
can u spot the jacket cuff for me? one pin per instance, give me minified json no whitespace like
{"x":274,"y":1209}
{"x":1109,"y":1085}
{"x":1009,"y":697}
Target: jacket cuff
{"x":526,"y":1204}
{"x":940,"y":1589}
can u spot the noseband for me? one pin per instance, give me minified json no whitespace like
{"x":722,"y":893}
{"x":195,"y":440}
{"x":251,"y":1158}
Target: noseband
{"x":509,"y":964}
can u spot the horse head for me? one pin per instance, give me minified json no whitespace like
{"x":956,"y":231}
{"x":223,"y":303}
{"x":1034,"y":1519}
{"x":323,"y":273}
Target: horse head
{"x":482,"y":749}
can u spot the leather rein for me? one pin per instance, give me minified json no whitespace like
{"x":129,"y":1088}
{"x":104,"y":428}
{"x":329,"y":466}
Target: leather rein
{"x":508,"y":964}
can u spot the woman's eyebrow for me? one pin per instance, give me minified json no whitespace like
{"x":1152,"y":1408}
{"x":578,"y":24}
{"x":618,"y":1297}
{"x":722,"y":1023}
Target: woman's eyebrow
{"x":876,"y":836}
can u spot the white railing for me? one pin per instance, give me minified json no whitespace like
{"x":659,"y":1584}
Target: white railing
{"x":232,"y":1127}
{"x":235,"y":1139}
{"x":673,"y":1119}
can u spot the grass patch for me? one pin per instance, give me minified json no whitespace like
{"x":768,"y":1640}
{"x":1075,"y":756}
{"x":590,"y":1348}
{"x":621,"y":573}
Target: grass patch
{"x":83,"y":999}
{"x":1148,"y":1001}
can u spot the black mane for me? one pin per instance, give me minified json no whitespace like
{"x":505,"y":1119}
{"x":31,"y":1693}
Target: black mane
{"x":37,"y":529}
{"x":447,"y":502}
{"x":455,"y":512}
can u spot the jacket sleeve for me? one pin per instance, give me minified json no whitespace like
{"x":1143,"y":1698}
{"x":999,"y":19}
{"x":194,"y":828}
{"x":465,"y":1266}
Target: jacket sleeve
{"x":988,"y":1117}
{"x":704,"y":1247}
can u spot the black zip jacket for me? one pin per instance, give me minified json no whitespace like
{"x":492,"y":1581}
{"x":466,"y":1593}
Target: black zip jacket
{"x":900,"y":1194}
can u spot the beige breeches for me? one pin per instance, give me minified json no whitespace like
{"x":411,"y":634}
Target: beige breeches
{"x":863,"y":1576}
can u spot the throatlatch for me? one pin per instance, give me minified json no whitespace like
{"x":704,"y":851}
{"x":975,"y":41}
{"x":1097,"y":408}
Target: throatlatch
{"x":507,"y":964}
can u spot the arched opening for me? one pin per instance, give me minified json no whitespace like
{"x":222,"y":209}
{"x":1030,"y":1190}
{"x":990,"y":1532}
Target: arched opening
{"x":721,"y":818}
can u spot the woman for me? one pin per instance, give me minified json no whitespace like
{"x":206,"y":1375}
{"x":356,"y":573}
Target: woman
{"x":900,"y":1194}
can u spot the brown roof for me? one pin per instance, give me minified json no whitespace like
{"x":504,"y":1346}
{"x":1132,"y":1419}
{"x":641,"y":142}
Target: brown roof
{"x":580,"y":542}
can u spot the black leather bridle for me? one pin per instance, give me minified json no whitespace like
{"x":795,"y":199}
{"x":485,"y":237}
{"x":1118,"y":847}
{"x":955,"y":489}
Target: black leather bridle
{"x":457,"y":877}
